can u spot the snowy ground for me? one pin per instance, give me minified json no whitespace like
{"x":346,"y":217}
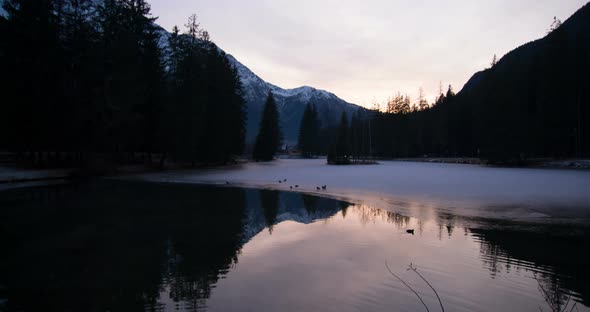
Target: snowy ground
{"x":11,"y":177}
{"x":577,"y":164}
{"x":416,"y":188}
{"x":8,"y":174}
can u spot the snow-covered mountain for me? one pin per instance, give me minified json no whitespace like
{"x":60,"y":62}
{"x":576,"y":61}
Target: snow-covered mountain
{"x":291,"y":206}
{"x":291,"y":104}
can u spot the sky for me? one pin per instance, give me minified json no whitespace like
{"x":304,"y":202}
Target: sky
{"x":367,"y":50}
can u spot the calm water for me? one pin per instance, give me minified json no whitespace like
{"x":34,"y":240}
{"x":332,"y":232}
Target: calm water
{"x":134,"y":246}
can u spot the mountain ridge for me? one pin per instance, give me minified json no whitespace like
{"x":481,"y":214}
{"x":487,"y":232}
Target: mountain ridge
{"x":572,"y":26}
{"x":533,"y":100}
{"x":291,"y":103}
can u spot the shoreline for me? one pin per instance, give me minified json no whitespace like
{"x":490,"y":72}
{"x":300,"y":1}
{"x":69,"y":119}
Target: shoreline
{"x":13,"y":173}
{"x":510,"y":221}
{"x":412,"y":188}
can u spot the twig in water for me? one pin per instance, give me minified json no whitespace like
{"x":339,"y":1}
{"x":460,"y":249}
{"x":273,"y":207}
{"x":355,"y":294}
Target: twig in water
{"x":554,"y":299}
{"x":545,"y":293}
{"x":422,"y":277}
{"x":567,"y":303}
{"x":408,"y":286}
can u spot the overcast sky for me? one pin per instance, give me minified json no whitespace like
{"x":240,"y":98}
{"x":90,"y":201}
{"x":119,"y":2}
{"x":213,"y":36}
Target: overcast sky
{"x":366,"y":50}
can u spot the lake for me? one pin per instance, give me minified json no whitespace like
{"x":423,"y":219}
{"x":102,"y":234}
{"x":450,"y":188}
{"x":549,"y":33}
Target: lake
{"x":111,"y":245}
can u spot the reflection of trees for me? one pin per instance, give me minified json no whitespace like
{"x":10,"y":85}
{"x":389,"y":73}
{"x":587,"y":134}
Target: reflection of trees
{"x":310,"y":203}
{"x":494,"y":257}
{"x":550,"y":249}
{"x":371,"y":215}
{"x":117,"y":245}
{"x":207,"y":246}
{"x":556,"y":297}
{"x":446,"y":222}
{"x":269,"y":200}
{"x":344,"y":211}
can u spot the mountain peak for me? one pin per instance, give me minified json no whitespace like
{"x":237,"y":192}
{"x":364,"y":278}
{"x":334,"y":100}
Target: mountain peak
{"x":291,"y":103}
{"x":305,"y":93}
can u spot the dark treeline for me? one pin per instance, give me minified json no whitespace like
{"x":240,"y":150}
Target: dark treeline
{"x":531,"y":103}
{"x":83,"y":81}
{"x":458,"y":126}
{"x":402,"y":130}
{"x":145,"y":239}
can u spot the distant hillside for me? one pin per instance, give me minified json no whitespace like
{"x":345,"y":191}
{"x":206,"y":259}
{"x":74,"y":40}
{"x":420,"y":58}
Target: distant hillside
{"x":534,"y":101}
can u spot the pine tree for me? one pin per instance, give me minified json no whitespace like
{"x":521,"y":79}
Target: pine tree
{"x":554,"y":25}
{"x":406,"y":106}
{"x":356,"y":135}
{"x":269,"y":136}
{"x":340,"y":151}
{"x":79,"y":84}
{"x":422,"y":102}
{"x":450,"y":92}
{"x":34,"y":64}
{"x":494,"y":61}
{"x":224,"y":131}
{"x":235,"y":111}
{"x":206,"y":106}
{"x":187,"y":93}
{"x":269,"y":200}
{"x":308,"y":131}
{"x":316,"y":126}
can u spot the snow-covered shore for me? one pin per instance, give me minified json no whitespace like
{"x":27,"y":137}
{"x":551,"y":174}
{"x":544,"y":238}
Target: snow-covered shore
{"x":11,"y":177}
{"x":416,"y":188}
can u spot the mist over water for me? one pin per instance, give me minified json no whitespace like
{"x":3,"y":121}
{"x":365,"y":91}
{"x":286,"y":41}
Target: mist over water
{"x":121,"y":246}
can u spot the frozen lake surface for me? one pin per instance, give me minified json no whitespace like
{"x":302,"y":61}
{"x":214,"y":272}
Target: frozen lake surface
{"x":414,"y":188}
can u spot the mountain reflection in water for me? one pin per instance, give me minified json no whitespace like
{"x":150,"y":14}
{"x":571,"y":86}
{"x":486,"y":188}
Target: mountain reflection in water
{"x":134,"y":246}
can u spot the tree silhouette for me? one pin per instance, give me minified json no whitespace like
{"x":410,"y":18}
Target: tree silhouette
{"x":494,"y":61}
{"x":309,"y":131}
{"x":340,"y":152}
{"x":554,"y":25}
{"x":269,"y":200}
{"x":90,"y":80}
{"x":269,"y":136}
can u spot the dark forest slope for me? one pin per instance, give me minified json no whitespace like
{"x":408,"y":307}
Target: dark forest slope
{"x":534,"y":101}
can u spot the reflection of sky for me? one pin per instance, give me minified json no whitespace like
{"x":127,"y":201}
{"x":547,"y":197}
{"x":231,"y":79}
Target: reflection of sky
{"x":339,"y":265}
{"x":362,"y":50}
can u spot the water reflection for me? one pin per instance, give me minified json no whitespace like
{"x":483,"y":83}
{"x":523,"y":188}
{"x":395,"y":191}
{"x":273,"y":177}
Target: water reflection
{"x":122,"y":246}
{"x":116,"y":245}
{"x":269,"y":200}
{"x":555,"y":254}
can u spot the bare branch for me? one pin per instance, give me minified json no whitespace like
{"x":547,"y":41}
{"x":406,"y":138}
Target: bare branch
{"x":435,"y":292}
{"x":408,"y":286}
